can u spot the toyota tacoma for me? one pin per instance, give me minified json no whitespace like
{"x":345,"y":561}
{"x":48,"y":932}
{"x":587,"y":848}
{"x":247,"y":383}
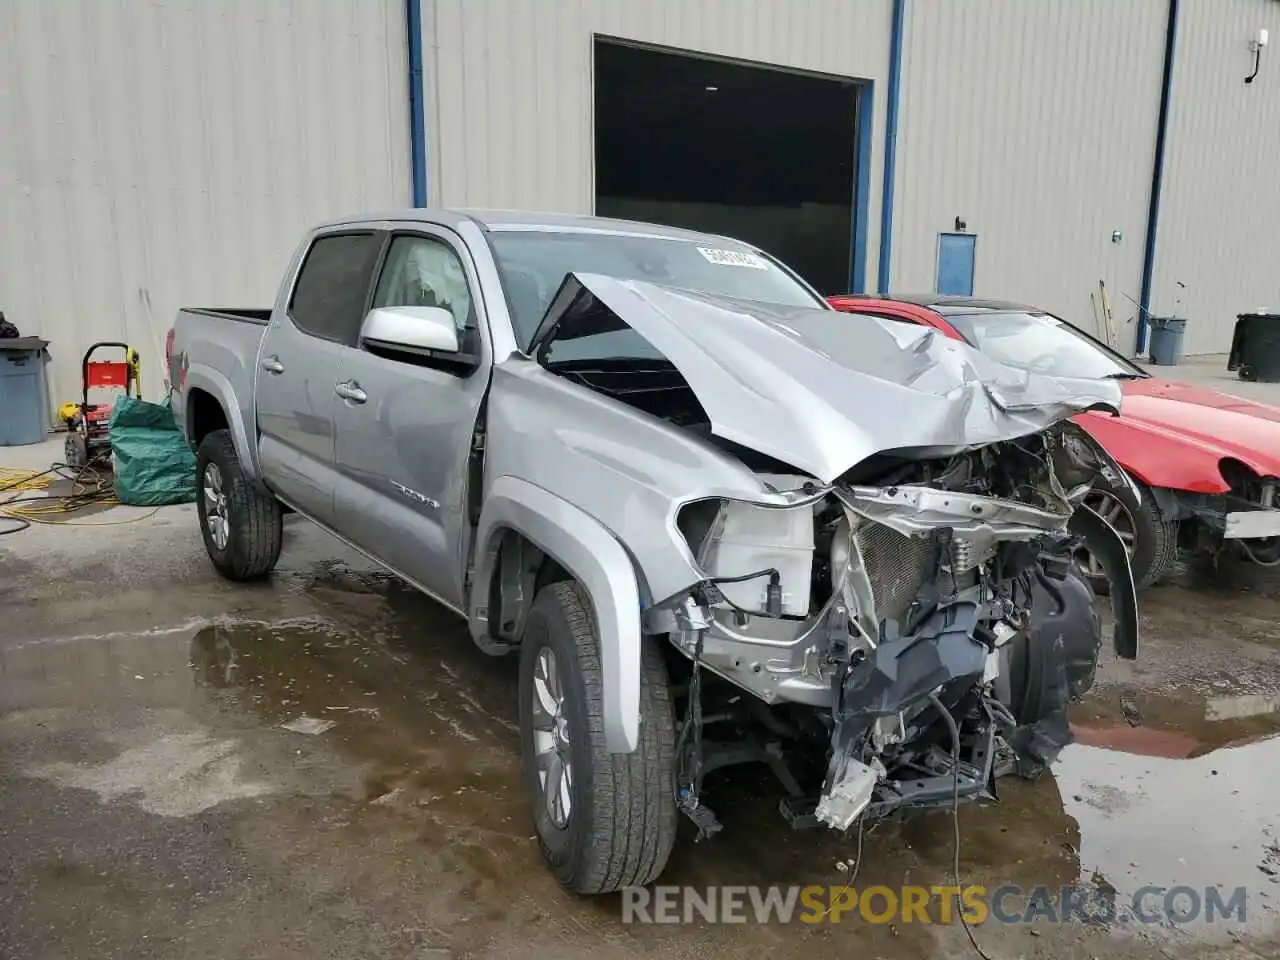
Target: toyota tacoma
{"x":716,"y":522}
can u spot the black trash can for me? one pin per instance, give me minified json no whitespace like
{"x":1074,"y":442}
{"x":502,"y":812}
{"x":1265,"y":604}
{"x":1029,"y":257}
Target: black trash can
{"x":1255,"y":347}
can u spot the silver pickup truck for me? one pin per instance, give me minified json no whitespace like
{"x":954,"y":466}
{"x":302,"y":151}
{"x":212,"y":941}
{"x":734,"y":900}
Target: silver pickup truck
{"x":718,"y":521}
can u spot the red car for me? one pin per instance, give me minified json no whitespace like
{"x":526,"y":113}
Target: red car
{"x":1206,"y":463}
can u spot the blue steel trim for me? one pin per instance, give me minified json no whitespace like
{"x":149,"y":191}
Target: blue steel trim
{"x":890,"y":143}
{"x":862,"y":189}
{"x":417,"y":122}
{"x":1157,"y":180}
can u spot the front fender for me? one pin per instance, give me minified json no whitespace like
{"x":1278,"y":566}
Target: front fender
{"x":1110,"y":550}
{"x":588,"y":551}
{"x":204,"y":377}
{"x":1157,"y":457}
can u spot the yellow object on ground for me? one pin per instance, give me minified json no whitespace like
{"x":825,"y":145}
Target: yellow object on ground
{"x":22,"y":481}
{"x":89,"y":487}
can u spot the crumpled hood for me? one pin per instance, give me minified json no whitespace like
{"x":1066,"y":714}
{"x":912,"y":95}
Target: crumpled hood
{"x":805,"y":386}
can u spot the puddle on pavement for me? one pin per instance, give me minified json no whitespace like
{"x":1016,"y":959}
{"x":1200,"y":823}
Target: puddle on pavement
{"x":393,"y":683}
{"x":1174,"y":801}
{"x":1177,"y":800}
{"x":1168,"y":803}
{"x":432,"y":719}
{"x":1196,"y":822}
{"x":431,"y":723}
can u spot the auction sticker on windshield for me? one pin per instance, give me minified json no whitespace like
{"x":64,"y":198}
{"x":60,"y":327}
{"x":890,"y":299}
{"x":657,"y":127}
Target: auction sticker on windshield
{"x":734,"y":258}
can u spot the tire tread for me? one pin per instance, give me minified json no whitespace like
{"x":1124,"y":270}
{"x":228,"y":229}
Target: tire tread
{"x":1164,"y":551}
{"x":257,"y":522}
{"x":633,"y":815}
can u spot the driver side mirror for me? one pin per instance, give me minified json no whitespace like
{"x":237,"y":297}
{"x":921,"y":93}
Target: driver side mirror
{"x":423,"y":331}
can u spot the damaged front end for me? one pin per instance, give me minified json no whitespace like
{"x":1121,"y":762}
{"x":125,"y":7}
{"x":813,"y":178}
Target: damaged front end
{"x":892,"y":614}
{"x":930,"y":610}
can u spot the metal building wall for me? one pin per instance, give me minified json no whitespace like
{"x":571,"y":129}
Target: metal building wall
{"x":1034,"y":121}
{"x":169,"y":153}
{"x":509,"y":82}
{"x":1219,"y":230}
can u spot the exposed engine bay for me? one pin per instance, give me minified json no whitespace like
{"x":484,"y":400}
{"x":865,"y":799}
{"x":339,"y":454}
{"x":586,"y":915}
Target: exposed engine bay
{"x":930,"y":610}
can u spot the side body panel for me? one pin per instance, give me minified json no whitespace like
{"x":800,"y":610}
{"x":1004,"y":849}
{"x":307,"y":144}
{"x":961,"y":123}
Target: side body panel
{"x":218,"y":354}
{"x":296,"y":399}
{"x":399,"y":483}
{"x":626,"y":469}
{"x":588,"y":551}
{"x":597,"y":486}
{"x":402,"y":452}
{"x":295,"y":414}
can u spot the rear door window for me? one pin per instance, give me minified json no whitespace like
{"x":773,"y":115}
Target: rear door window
{"x":333,"y":286}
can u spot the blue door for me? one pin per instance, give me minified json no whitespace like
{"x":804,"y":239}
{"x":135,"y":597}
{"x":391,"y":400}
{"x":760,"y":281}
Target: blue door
{"x":955,"y":264}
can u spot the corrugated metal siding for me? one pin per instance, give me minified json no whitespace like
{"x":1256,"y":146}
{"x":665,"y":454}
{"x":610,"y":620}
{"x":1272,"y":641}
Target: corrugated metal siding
{"x":1034,"y":121}
{"x":168,"y":153}
{"x":510,"y":81}
{"x":1220,"y":216}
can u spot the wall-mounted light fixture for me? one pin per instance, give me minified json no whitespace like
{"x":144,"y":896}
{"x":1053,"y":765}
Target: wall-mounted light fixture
{"x":1256,"y":44}
{"x":961,"y":226}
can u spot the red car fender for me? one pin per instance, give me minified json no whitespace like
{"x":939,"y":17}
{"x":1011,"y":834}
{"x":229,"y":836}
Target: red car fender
{"x":1157,"y":457}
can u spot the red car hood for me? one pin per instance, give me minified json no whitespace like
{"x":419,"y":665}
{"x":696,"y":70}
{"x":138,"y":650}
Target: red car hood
{"x":1225,"y":425}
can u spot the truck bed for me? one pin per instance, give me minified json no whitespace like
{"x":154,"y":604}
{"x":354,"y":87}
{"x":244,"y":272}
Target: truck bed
{"x":258,"y":315}
{"x":224,"y":343}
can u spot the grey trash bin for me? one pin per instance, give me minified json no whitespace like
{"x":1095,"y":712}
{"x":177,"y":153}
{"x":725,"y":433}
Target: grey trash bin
{"x":22,"y":393}
{"x":1166,"y":340}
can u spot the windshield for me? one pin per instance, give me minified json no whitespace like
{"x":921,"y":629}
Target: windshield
{"x":1041,"y":343}
{"x":533,"y":263}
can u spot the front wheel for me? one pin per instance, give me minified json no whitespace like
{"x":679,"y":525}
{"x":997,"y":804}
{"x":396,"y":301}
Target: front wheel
{"x":604,"y":820}
{"x":1152,"y":541}
{"x":241,"y":523}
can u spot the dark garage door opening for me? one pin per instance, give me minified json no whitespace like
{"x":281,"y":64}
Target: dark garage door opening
{"x":764,"y":155}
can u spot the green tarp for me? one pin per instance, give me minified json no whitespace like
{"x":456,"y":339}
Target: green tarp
{"x":153,"y":463}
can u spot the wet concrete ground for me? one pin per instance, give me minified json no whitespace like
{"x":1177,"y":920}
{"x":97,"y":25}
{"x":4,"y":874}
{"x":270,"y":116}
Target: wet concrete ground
{"x":323,"y":766}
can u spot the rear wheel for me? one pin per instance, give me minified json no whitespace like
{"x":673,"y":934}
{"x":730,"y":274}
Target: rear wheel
{"x":1152,"y":541}
{"x":604,"y":820}
{"x":241,"y":523}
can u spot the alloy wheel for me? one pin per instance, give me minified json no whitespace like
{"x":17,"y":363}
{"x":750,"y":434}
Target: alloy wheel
{"x":551,"y":745}
{"x":215,"y":506}
{"x":1112,"y":510}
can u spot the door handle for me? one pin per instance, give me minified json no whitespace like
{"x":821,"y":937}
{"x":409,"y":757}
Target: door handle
{"x":350,"y":390}
{"x":272,"y":364}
